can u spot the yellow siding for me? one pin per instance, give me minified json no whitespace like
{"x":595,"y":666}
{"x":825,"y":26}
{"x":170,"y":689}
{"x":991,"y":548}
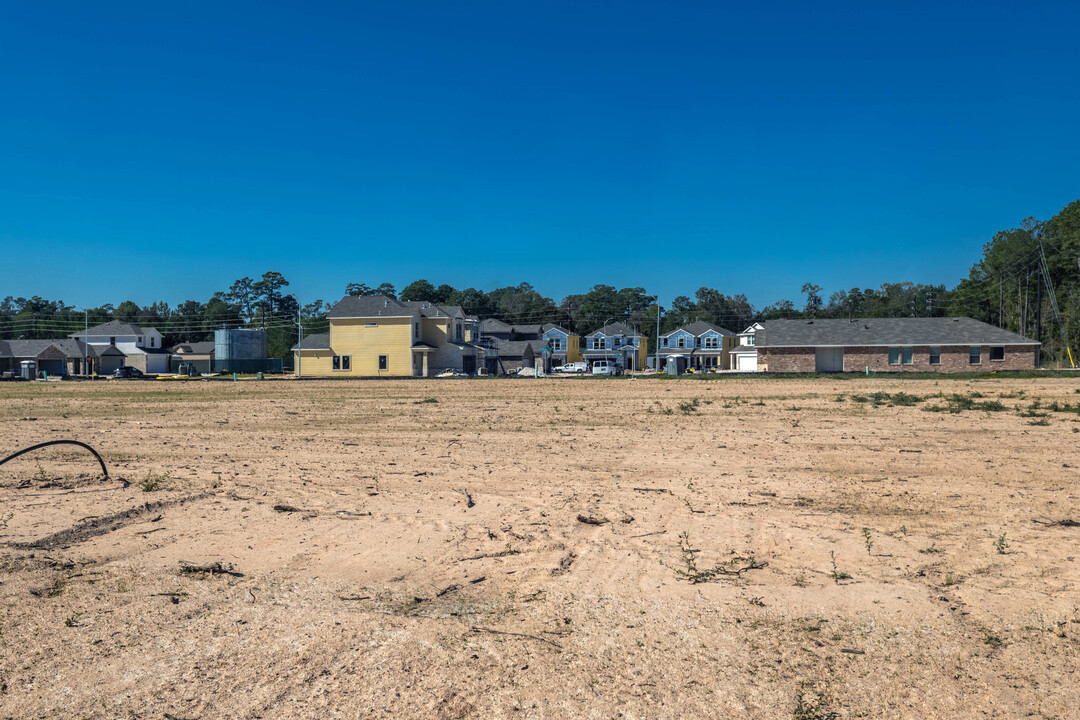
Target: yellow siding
{"x":388,"y":336}
{"x":314,"y":363}
{"x":434,"y":331}
{"x":573,"y":349}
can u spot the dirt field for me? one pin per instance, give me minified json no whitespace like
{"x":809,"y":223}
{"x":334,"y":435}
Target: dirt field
{"x":762,"y":548}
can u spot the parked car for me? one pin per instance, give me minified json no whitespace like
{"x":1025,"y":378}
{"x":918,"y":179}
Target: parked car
{"x":128,"y":372}
{"x":574,"y":367}
{"x":604,"y":367}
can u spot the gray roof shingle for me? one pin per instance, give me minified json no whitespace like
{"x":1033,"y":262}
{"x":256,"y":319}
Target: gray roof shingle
{"x":315,"y":341}
{"x":113,"y":327}
{"x":884,"y":331}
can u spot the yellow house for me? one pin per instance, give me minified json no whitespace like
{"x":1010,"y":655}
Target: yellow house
{"x":377,"y":336}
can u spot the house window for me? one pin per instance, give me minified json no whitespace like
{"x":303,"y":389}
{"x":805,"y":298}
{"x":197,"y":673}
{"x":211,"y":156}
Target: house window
{"x":416,"y":329}
{"x":905,"y":355}
{"x":556,"y":343}
{"x":935,"y":356}
{"x":383,"y":362}
{"x":663,"y":341}
{"x":997,"y":353}
{"x":342,"y":362}
{"x":975,"y":356}
{"x":894,"y":356}
{"x":682,"y":341}
{"x":460,"y":333}
{"x":750,"y":340}
{"x":599,"y":343}
{"x":712,"y":342}
{"x":152,"y":344}
{"x":112,"y":341}
{"x":370,"y":324}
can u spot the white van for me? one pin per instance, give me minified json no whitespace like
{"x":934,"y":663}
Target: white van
{"x":604,"y":367}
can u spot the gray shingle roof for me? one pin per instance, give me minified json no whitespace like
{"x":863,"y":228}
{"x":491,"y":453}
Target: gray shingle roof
{"x":113,"y":327}
{"x":700,"y":327}
{"x":369,"y":306}
{"x":315,"y":341}
{"x":492,"y":326}
{"x":554,"y":326}
{"x":884,"y":331}
{"x":615,"y":328}
{"x":68,"y":347}
{"x":195,"y":348}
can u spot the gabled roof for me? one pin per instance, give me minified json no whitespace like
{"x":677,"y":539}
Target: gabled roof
{"x":494,"y":325}
{"x":548,"y":327}
{"x":113,"y":327}
{"x":700,"y":327}
{"x":885,"y":332}
{"x":615,"y":328}
{"x":315,"y":341}
{"x":753,"y":329}
{"x":370,"y":306}
{"x":431,"y":310}
{"x":65,"y":347}
{"x":514,"y":348}
{"x":194,"y":348}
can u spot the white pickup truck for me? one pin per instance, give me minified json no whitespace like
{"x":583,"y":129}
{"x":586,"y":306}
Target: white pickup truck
{"x":574,"y":367}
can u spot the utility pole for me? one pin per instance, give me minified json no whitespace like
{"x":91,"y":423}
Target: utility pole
{"x":658,"y":311}
{"x":1038,"y":323}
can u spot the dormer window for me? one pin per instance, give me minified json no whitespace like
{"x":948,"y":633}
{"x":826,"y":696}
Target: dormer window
{"x":682,"y":341}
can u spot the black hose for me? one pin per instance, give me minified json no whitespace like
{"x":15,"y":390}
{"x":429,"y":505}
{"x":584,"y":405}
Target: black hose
{"x":59,"y":442}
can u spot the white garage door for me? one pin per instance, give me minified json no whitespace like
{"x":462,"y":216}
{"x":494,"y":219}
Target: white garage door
{"x":747,"y":363}
{"x":829,"y":360}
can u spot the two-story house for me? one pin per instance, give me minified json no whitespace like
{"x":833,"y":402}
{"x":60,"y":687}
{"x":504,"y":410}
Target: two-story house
{"x":616,"y":343}
{"x":744,"y":355}
{"x":141,"y":345}
{"x":559,"y":346}
{"x":700,"y":345}
{"x":508,"y":348}
{"x":376,"y":336}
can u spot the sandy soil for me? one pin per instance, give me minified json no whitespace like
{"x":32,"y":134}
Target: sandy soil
{"x":730,"y":511}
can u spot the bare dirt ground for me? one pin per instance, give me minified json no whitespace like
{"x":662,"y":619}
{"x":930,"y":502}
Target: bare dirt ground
{"x":759,"y":548}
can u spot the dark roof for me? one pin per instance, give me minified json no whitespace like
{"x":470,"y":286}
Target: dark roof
{"x":66,"y":346}
{"x":492,"y":326}
{"x":315,"y":341}
{"x":884,"y":332}
{"x":554,"y":326}
{"x":431,"y":310}
{"x":113,"y":327}
{"x":369,"y":306}
{"x":205,"y":347}
{"x":514,"y":348}
{"x":615,"y":328}
{"x":700,"y":327}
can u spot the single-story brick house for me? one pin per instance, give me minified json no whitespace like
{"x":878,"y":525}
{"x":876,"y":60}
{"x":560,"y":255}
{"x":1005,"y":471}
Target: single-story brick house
{"x":946,"y":345}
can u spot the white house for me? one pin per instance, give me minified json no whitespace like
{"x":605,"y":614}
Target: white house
{"x":141,"y":346}
{"x":744,"y":355}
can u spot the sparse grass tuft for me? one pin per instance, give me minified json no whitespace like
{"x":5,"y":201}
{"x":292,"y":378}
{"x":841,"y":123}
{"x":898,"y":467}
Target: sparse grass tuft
{"x":153,"y":482}
{"x":427,"y":401}
{"x":1002,"y":545}
{"x":837,"y":575}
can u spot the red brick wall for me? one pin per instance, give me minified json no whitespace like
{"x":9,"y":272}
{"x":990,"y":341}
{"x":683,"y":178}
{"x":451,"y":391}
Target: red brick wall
{"x":857,"y":359}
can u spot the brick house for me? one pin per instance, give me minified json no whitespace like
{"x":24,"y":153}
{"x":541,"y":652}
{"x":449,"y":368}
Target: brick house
{"x":945,"y":345}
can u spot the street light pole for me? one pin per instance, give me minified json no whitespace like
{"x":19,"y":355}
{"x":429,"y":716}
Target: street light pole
{"x":658,"y":311}
{"x":300,"y":340}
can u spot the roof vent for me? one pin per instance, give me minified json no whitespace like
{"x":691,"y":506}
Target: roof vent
{"x":386,"y":303}
{"x":956,"y":319}
{"x":867,"y":327}
{"x":809,"y":322}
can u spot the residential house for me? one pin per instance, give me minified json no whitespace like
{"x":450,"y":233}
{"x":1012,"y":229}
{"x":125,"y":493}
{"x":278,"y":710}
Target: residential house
{"x":198,"y":354}
{"x":59,"y":358}
{"x":563,"y":346}
{"x":616,"y":343}
{"x":700,"y":345}
{"x":507,"y":348}
{"x":744,"y":355}
{"x":946,"y":345}
{"x":376,"y":336}
{"x":141,"y":345}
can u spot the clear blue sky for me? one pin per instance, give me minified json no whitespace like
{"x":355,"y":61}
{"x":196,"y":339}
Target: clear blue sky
{"x":161,"y":150}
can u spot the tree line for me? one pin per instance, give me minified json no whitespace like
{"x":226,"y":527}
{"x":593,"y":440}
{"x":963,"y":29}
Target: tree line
{"x":1002,"y":288}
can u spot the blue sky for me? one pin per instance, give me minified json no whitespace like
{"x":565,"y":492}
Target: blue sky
{"x":161,"y":150}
